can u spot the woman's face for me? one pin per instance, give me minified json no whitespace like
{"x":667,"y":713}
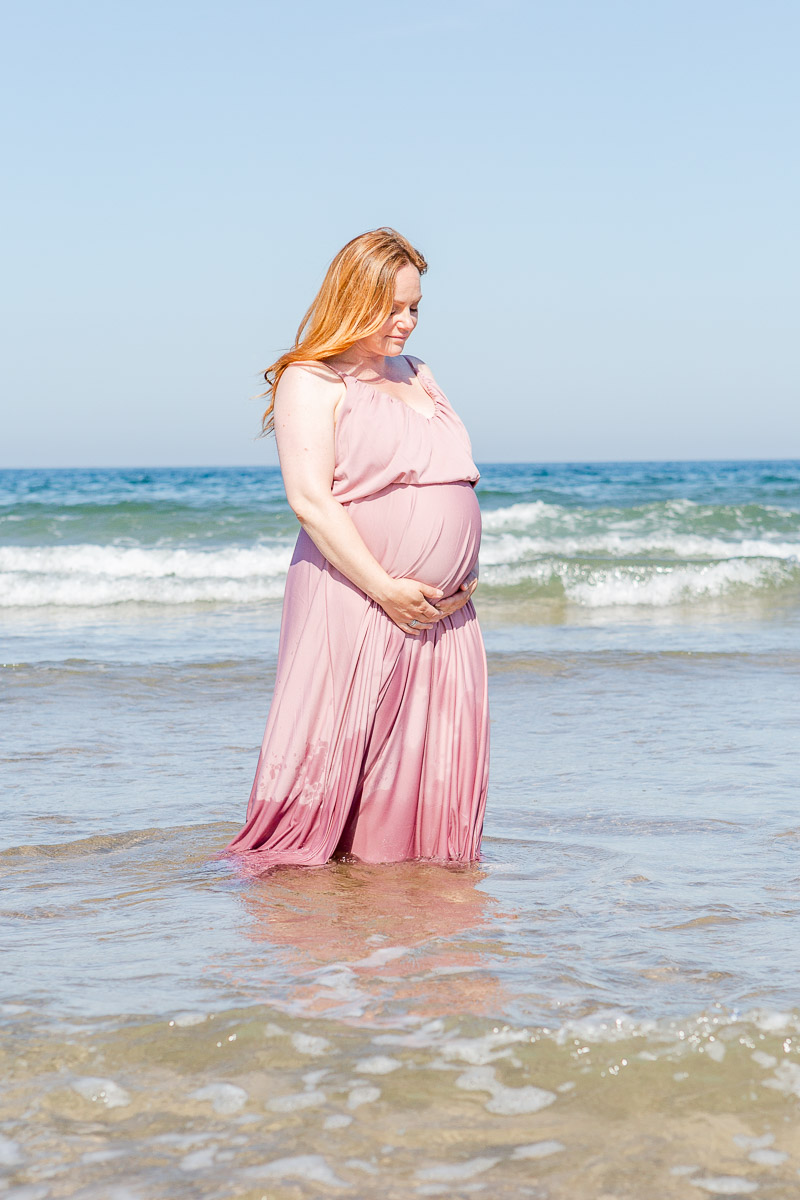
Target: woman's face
{"x":391,"y":338}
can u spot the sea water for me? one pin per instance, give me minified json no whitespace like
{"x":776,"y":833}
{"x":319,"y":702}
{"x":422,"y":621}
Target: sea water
{"x":606,"y":1006}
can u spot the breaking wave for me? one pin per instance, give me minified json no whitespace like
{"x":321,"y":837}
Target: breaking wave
{"x":672,"y":552}
{"x":94,"y":576}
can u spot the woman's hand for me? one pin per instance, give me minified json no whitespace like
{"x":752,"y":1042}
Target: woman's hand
{"x":410,"y":604}
{"x":451,"y":604}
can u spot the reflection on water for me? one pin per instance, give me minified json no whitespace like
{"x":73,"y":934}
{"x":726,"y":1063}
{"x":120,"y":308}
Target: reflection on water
{"x":367,"y":940}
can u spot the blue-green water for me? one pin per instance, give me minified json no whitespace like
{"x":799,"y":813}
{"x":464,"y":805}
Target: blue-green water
{"x":606,"y":1006}
{"x":589,"y":535}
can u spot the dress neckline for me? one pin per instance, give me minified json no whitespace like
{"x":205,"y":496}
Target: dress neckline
{"x":397,"y":400}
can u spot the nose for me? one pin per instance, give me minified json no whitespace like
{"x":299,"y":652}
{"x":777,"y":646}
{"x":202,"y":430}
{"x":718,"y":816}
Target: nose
{"x":406,"y":320}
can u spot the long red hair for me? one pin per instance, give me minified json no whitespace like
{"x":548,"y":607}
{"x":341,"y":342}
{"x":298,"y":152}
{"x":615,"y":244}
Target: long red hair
{"x":355,"y":299}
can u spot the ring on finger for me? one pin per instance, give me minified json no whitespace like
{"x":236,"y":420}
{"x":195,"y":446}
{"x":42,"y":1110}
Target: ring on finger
{"x":413,"y":623}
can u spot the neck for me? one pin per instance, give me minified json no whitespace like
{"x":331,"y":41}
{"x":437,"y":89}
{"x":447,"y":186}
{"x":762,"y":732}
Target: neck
{"x":377,"y":363}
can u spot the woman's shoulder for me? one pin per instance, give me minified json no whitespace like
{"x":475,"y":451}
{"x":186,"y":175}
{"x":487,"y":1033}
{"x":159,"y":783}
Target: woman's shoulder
{"x":310,"y":380}
{"x":311,"y":370}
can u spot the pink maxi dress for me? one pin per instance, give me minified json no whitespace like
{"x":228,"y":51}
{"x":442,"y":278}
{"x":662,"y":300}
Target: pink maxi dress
{"x":376,"y":743}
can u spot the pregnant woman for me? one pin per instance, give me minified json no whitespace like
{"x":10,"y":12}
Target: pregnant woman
{"x":376,"y":746}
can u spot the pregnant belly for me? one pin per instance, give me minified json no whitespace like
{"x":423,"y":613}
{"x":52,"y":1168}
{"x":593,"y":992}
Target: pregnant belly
{"x":431,"y":532}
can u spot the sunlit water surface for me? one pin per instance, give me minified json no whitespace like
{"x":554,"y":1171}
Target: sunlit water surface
{"x":605,"y":1007}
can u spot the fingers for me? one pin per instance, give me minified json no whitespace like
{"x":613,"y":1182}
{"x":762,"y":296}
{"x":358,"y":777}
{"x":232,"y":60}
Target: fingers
{"x":445,"y":608}
{"x":427,"y":609}
{"x":453,"y":603}
{"x":415,"y":627}
{"x":428,"y":606}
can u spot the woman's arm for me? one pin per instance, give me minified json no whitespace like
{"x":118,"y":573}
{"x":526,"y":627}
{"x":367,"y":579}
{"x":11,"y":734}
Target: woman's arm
{"x":305,"y":405}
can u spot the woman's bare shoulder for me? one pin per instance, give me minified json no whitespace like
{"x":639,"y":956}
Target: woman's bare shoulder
{"x":310,"y":382}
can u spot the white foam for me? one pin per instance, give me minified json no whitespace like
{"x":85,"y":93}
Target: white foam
{"x":505,"y":1101}
{"x":28,"y":1192}
{"x":538,"y":1150}
{"x":94,"y":576}
{"x":312,"y":1078}
{"x":612,"y":1025}
{"x":786,"y":1079}
{"x":773,"y":1021}
{"x":311,"y":1167}
{"x":725,"y":1185}
{"x":100,"y":1156}
{"x":670,"y":518}
{"x":383,"y":956}
{"x":520,"y":516}
{"x":295,"y":1101}
{"x":659,"y":554}
{"x":379,"y":1064}
{"x":767,"y":1158}
{"x":199,"y":1160}
{"x":226,"y":1098}
{"x":10,"y":1153}
{"x":337,"y":1121}
{"x":362,"y":1095}
{"x":424,"y":1035}
{"x":754,"y":1143}
{"x":125,"y":562}
{"x":310,"y":1044}
{"x":529,"y":542}
{"x":101,"y":1091}
{"x":453,"y":1172}
{"x":506,"y":548}
{"x":184,"y":1141}
{"x":185,"y":1019}
{"x":343,"y":984}
{"x":359,"y":1164}
{"x":663,"y":586}
{"x":655,"y":585}
{"x":484,"y":1049}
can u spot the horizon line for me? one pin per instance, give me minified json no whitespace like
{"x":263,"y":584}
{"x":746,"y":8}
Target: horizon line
{"x":496,"y":462}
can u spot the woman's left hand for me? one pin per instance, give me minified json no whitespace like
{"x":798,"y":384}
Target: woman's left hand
{"x":451,"y":604}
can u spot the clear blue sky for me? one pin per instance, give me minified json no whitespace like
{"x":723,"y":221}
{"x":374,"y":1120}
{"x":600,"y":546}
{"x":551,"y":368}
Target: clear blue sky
{"x":606,"y":191}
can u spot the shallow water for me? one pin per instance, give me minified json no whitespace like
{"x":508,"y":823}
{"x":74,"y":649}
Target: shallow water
{"x":606,"y":1006}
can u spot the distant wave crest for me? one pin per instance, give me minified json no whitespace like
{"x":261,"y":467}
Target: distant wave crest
{"x":659,"y":554}
{"x":94,"y":576}
{"x":612,"y":585}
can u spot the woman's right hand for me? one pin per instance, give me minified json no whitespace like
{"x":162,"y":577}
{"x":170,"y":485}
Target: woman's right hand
{"x":407,"y":601}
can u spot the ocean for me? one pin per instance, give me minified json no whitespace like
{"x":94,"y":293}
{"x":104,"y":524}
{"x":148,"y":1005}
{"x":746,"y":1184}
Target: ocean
{"x":606,"y":1007}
